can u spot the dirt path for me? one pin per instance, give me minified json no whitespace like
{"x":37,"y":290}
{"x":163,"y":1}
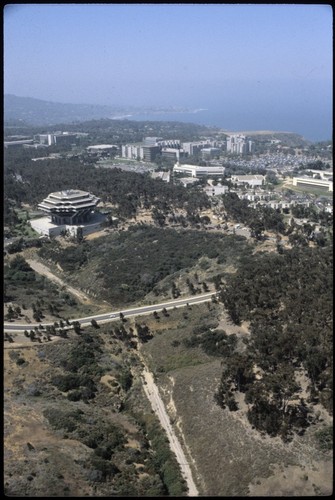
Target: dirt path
{"x":157,"y":405}
{"x":45,"y":271}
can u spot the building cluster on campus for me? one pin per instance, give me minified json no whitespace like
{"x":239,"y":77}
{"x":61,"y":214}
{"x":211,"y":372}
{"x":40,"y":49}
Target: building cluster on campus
{"x":67,"y":211}
{"x":151,"y":148}
{"x":44,"y":140}
{"x":173,"y":149}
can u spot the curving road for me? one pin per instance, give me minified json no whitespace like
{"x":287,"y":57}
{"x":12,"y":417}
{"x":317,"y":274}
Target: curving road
{"x":113,"y":315}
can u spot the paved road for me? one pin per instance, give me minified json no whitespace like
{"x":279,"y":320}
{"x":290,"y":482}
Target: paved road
{"x":113,"y":315}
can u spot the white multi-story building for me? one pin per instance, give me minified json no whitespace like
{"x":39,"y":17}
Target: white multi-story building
{"x":239,"y":144}
{"x":132,"y":151}
{"x":209,"y":153}
{"x":216,"y":190}
{"x":194,"y":148}
{"x":164,"y":176}
{"x":60,"y":138}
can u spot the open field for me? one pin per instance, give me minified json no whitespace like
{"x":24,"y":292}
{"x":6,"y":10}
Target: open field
{"x":230,"y":457}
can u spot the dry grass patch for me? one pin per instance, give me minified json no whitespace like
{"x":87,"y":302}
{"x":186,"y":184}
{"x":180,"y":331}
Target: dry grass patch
{"x":229,"y":457}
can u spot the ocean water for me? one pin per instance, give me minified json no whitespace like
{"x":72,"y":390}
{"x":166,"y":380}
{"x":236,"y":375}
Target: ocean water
{"x":302,"y":106}
{"x":313,"y":126}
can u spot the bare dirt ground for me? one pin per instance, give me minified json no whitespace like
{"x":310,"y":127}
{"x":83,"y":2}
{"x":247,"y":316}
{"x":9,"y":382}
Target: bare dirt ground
{"x":20,"y":340}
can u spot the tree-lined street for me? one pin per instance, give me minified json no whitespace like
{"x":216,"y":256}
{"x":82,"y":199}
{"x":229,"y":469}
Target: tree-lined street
{"x":114,"y":315}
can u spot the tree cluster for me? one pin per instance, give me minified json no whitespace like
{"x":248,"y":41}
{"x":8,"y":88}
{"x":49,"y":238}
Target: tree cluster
{"x":259,"y":219}
{"x":288,"y":301}
{"x":130,"y":264}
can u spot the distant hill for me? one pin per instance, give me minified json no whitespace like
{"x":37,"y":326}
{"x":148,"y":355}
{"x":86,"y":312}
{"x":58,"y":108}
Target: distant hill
{"x":28,"y":111}
{"x":33,"y":111}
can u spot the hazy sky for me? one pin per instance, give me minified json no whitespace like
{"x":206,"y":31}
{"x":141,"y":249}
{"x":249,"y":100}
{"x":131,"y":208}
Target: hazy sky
{"x":171,"y":54}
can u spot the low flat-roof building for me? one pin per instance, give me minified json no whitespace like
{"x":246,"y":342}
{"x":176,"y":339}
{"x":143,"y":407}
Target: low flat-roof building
{"x":102,"y":148}
{"x":196,"y":171}
{"x":216,"y":190}
{"x":250,"y":180}
{"x":323,"y":174}
{"x":312,"y":182}
{"x":10,"y":144}
{"x":164,"y":176}
{"x":187,"y":181}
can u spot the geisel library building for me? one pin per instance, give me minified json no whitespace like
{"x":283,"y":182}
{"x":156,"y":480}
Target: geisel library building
{"x":67,"y":211}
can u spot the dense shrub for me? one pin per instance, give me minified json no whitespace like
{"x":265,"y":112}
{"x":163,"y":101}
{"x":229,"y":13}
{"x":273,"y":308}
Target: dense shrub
{"x":325,"y":438}
{"x":135,"y":261}
{"x":163,"y":461}
{"x":214,"y":343}
{"x":290,"y":314}
{"x":62,"y":419}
